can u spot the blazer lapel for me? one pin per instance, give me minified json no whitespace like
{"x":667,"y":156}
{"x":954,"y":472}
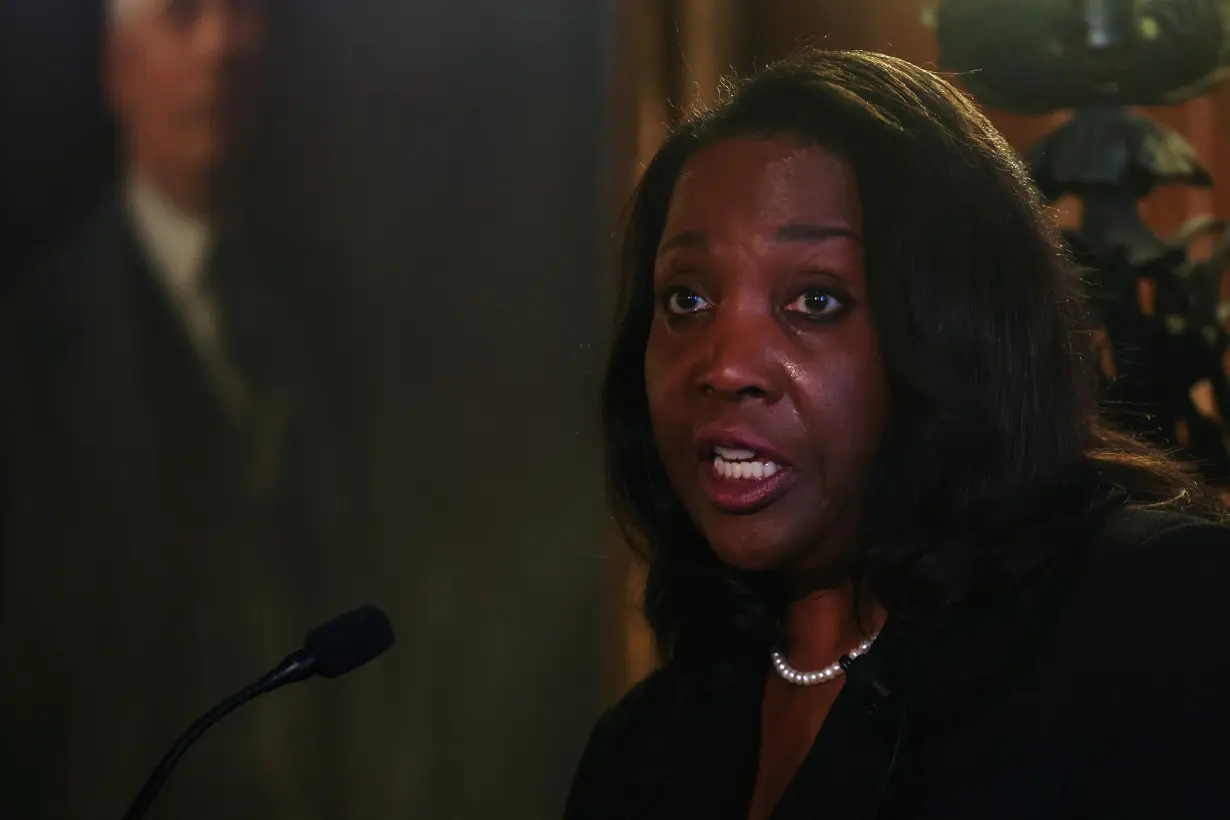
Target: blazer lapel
{"x":701,"y":758}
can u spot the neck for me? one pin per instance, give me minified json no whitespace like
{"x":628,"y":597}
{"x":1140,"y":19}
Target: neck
{"x":191,"y":190}
{"x":824,"y":625}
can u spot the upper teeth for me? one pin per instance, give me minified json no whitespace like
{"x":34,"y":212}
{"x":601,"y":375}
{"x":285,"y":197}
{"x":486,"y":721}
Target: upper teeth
{"x":739,"y":464}
{"x":734,"y":455}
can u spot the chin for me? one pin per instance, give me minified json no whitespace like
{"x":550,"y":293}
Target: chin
{"x":206,"y":152}
{"x":203,"y":146}
{"x":750,"y":555}
{"x":761,"y":542}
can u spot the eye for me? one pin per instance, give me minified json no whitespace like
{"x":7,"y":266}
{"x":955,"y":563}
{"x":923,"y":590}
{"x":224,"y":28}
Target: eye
{"x":682,"y":301}
{"x":182,"y":14}
{"x":816,"y":304}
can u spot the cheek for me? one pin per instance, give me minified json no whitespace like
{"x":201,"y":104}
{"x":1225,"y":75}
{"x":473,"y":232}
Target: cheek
{"x":847,"y":397}
{"x":150,"y":86}
{"x":125,"y":81}
{"x":666,"y":395}
{"x":661,"y":370}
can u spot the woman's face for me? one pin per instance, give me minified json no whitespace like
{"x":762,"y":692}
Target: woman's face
{"x":764,"y":381}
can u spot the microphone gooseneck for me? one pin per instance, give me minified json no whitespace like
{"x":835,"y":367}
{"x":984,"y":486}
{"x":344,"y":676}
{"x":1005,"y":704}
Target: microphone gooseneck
{"x":333,"y":649}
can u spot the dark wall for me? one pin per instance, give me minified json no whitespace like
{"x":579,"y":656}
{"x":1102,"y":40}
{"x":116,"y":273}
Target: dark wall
{"x":56,"y":146}
{"x":459,"y":148}
{"x":452,"y":158}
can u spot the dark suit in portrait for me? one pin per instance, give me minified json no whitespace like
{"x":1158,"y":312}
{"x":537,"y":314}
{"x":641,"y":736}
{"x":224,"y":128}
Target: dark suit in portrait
{"x":163,"y":530}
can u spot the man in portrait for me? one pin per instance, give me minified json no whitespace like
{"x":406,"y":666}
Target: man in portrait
{"x":172,"y":477}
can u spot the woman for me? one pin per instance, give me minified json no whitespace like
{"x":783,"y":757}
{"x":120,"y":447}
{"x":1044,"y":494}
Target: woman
{"x":896,"y":566}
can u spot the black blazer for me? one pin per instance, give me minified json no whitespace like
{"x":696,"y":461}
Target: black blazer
{"x":1100,"y":689}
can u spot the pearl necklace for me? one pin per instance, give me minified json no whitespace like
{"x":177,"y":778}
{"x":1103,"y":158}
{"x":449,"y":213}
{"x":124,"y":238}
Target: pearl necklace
{"x":831,"y":672}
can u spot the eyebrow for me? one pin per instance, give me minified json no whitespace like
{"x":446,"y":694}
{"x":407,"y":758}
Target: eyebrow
{"x":683,"y":239}
{"x":794,"y":232}
{"x":802,"y":232}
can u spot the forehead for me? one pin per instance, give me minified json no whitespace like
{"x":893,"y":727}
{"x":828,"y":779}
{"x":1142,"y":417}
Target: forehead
{"x":770,"y":182}
{"x":124,"y":12}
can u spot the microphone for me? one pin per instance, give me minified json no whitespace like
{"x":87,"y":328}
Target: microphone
{"x":330,"y":650}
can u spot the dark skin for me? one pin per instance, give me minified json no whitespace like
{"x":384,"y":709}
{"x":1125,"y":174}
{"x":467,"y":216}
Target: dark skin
{"x":763,"y":340}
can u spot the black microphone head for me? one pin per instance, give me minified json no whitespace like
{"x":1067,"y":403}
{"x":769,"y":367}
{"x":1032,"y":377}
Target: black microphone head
{"x":349,"y":641}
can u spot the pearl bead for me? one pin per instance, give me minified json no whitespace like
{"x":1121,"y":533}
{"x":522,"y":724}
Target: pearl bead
{"x":828,"y":673}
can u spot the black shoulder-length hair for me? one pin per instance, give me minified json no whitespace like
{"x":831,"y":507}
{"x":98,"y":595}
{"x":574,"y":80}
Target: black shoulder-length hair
{"x":993,"y":419}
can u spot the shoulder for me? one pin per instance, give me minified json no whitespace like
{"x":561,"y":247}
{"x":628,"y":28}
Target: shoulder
{"x":61,"y":315}
{"x":638,"y":715}
{"x":1149,"y":667}
{"x":623,"y":741}
{"x":1161,"y":550}
{"x":1143,"y":525}
{"x":103,"y":229}
{"x":1155,"y":586}
{"x":69,"y":283}
{"x":57,"y":276}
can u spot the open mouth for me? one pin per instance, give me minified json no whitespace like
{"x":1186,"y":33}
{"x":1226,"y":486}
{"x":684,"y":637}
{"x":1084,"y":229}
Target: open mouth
{"x":741,"y":481}
{"x":742,"y":464}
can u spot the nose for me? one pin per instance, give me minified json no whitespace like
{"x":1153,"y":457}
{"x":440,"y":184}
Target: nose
{"x":743,"y":360}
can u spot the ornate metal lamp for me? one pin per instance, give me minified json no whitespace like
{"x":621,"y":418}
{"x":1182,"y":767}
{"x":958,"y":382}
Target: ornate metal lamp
{"x":1165,"y":313}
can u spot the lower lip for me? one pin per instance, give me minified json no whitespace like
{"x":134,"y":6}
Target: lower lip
{"x":743,"y":495}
